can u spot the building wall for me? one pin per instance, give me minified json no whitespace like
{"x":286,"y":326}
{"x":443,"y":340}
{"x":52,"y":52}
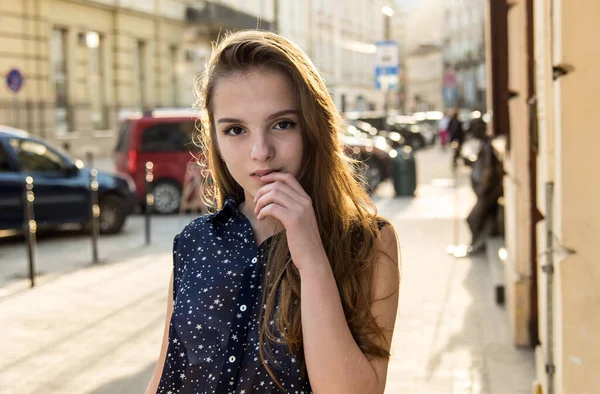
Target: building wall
{"x":517,"y":191}
{"x":198,"y":38}
{"x":464,"y":53}
{"x":27,"y":40}
{"x":401,"y":19}
{"x":424,"y":80}
{"x":342,"y":47}
{"x":568,"y":157}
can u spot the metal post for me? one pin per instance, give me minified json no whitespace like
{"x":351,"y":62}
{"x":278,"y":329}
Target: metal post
{"x":388,"y":36}
{"x":89,"y":158}
{"x":548,"y":268}
{"x":95,"y":213}
{"x":16,"y":111}
{"x":30,"y":228}
{"x":149,"y":198}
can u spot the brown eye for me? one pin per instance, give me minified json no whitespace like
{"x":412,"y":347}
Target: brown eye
{"x":284,"y":125}
{"x":234,"y":131}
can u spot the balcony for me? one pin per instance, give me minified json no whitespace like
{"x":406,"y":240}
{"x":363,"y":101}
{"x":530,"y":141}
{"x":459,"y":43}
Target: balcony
{"x":213,"y":17}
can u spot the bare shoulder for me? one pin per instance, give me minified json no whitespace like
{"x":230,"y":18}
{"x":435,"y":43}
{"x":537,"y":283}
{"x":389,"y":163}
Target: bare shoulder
{"x":386,"y":290}
{"x":388,"y":262}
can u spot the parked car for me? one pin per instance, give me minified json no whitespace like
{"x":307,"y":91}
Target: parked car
{"x":429,"y":121}
{"x":392,"y":127}
{"x":164,"y":137}
{"x":392,"y":138}
{"x":372,"y":150}
{"x":415,"y":136}
{"x":61,"y":186}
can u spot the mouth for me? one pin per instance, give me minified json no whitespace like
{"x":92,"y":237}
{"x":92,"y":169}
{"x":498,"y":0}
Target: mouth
{"x":263,"y":172}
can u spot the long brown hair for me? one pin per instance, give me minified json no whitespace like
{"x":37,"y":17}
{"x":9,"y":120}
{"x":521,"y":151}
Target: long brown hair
{"x":345,"y":214}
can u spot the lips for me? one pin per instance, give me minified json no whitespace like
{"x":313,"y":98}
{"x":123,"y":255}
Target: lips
{"x":263,"y":172}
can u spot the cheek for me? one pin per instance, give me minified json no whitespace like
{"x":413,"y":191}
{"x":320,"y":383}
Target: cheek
{"x":295,"y":152}
{"x":234,"y":158}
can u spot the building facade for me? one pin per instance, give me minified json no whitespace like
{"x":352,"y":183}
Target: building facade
{"x":547,"y":79}
{"x":84,"y":62}
{"x":464,"y":54}
{"x":422,"y":56}
{"x":341,"y":43}
{"x":207,"y":21}
{"x":424,"y":79}
{"x":88,"y":63}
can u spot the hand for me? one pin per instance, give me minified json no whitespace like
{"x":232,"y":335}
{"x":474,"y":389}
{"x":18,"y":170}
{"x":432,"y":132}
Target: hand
{"x":284,"y":199}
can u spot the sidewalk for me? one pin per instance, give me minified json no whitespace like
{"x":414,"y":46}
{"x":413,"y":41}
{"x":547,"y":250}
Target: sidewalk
{"x":98,"y":329}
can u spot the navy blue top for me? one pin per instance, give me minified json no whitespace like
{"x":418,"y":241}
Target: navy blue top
{"x":214,"y":328}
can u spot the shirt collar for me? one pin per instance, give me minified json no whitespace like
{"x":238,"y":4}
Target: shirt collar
{"x":229,"y":208}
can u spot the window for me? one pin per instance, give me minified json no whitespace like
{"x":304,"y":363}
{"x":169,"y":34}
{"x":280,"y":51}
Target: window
{"x":140,"y":68}
{"x":124,"y":136}
{"x":36,"y":157}
{"x":96,"y":79}
{"x":59,"y":78}
{"x":168,"y":137}
{"x":4,"y":161}
{"x":174,"y":80}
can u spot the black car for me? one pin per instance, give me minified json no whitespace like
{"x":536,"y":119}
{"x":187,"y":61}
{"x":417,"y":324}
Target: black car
{"x":61,"y":186}
{"x":395,"y":128}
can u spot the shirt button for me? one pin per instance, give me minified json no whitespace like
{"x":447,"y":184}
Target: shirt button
{"x":243,"y":308}
{"x":254,"y":260}
{"x":232,"y":359}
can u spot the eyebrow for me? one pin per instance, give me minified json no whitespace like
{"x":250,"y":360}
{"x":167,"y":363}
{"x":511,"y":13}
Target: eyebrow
{"x":270,"y":117}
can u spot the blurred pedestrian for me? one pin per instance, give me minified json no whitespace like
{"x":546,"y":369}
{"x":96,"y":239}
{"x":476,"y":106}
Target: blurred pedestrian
{"x":292,"y":284}
{"x":457,"y":135}
{"x":443,"y":130}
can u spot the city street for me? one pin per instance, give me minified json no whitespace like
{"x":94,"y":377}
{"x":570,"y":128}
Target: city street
{"x":96,"y":329}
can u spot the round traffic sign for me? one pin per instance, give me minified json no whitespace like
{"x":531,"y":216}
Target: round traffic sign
{"x":14,"y":80}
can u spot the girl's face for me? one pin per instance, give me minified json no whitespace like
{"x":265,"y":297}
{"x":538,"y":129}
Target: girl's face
{"x":257,"y":126}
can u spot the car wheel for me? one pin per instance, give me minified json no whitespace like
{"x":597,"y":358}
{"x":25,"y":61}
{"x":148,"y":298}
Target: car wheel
{"x":112,"y":214}
{"x":167,"y":197}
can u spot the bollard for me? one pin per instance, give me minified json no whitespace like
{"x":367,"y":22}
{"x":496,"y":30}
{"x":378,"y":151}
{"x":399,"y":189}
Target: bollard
{"x":95,"y":213}
{"x":149,"y":198}
{"x":30,"y":228}
{"x":89,"y":158}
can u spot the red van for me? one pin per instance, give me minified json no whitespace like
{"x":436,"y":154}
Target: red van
{"x":164,"y":137}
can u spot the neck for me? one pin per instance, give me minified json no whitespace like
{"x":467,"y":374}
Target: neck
{"x":262,"y":229}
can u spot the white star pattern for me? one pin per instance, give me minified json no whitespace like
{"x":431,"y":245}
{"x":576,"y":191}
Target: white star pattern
{"x":213,"y":346}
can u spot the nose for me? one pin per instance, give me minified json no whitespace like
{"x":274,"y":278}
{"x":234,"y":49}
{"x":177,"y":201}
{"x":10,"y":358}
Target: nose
{"x":262,"y":148}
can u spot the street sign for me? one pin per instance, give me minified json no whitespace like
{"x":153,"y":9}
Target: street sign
{"x":387,"y":64}
{"x":14,"y":80}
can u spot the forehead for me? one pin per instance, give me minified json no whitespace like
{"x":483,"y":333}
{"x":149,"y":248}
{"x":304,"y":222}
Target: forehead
{"x":253,"y":93}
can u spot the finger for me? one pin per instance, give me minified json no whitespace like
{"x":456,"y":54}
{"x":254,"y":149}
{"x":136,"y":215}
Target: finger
{"x":277,"y":185}
{"x":274,"y":210}
{"x":286,"y":178}
{"x":275,"y":196}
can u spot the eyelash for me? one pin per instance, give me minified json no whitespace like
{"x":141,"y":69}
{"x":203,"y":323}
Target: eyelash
{"x":291,"y":125}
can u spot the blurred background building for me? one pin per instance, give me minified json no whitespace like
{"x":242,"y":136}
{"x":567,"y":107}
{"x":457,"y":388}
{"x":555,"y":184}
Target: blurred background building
{"x":83,"y":62}
{"x":422,"y":54}
{"x":88,"y":63}
{"x":543,"y":91}
{"x":464,"y":54}
{"x":424,"y":78}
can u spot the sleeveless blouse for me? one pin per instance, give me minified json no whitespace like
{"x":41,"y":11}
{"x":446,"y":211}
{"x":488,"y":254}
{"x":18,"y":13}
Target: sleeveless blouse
{"x":214,"y":329}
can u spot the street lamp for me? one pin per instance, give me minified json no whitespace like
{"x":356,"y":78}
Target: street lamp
{"x":387,"y":11}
